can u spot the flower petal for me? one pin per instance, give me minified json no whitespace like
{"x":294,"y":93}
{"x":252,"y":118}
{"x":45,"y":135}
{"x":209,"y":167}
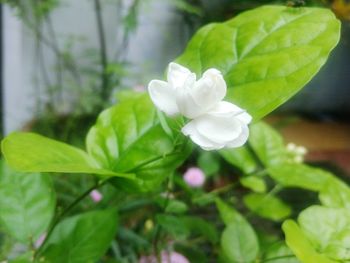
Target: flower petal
{"x":224,"y":108}
{"x":218,"y":129}
{"x":241,"y":139}
{"x":163,"y":96}
{"x":210,"y":89}
{"x":190,"y":130}
{"x":177,"y":75}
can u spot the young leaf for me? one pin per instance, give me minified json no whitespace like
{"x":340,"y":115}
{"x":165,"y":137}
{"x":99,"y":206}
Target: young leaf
{"x":29,"y":152}
{"x":82,"y":238}
{"x":266,"y":54}
{"x":267,"y":206}
{"x":301,"y":246}
{"x":328,"y":230}
{"x":255,"y":183}
{"x":27,"y":204}
{"x":128,"y":138}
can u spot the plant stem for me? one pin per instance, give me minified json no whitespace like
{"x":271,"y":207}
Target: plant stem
{"x":278,"y":257}
{"x":59,"y":217}
{"x":103,"y":51}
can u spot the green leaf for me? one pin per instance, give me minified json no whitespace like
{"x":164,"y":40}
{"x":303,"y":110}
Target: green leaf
{"x":279,"y":253}
{"x":173,"y":225}
{"x":267,"y":143}
{"x":208,"y":162}
{"x":266,"y":54}
{"x":228,"y":214}
{"x":128,"y":138}
{"x":254,"y":183}
{"x":176,"y":207}
{"x":82,"y":238}
{"x":299,"y":175}
{"x":239,"y":243}
{"x":301,"y":246}
{"x":335,"y":193}
{"x":29,"y":152}
{"x":27,"y":204}
{"x":328,"y":229}
{"x":241,"y":158}
{"x":201,"y":227}
{"x":267,"y":206}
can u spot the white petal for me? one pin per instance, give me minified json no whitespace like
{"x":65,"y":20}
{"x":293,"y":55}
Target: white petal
{"x":210,"y":89}
{"x":242,"y":138}
{"x":177,"y":75}
{"x":190,"y":130}
{"x":218,"y":129}
{"x":163,"y":96}
{"x":224,"y":108}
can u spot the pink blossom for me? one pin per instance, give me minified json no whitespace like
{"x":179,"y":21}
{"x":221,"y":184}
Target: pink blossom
{"x":166,"y":257}
{"x":194,"y":177}
{"x":96,"y":196}
{"x":40,"y":240}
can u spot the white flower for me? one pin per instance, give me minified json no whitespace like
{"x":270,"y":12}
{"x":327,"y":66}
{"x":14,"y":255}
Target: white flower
{"x":225,"y":126}
{"x":214,"y":124}
{"x":183,"y":94}
{"x":296,"y":153}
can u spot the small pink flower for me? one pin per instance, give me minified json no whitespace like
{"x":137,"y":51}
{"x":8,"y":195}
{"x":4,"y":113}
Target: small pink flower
{"x":166,"y":257}
{"x":96,"y":196}
{"x":40,"y":240}
{"x":194,"y":177}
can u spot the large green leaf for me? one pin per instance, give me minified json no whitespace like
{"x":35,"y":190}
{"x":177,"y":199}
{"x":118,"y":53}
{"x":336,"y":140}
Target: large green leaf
{"x":328,"y":229}
{"x":29,"y":152}
{"x":301,"y":246}
{"x":27,"y":204}
{"x":267,"y":143}
{"x":128,"y":138}
{"x":266,"y":55}
{"x":299,"y":175}
{"x":267,"y":206}
{"x":82,"y":238}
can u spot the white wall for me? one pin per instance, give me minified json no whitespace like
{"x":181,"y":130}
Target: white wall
{"x":157,"y":41}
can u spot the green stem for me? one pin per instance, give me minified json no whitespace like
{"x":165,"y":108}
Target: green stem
{"x":278,"y":257}
{"x":59,"y":217}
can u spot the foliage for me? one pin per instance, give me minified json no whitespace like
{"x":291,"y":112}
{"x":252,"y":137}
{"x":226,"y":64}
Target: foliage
{"x":137,"y":155}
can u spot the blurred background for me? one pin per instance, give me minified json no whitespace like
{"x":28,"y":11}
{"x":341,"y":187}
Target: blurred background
{"x":63,"y":62}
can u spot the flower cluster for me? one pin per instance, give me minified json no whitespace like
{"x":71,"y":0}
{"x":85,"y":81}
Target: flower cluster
{"x":296,"y":153}
{"x":214,"y":123}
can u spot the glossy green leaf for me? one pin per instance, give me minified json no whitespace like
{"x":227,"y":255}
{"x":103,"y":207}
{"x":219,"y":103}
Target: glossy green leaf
{"x":82,"y":238}
{"x":254,"y":183}
{"x":299,"y":175}
{"x":266,"y":54}
{"x":267,"y":143}
{"x":301,"y":246}
{"x":328,"y":229}
{"x":29,"y":152}
{"x":176,"y":207}
{"x":128,"y":138}
{"x":267,"y":206}
{"x":27,"y":204}
{"x":335,"y":193}
{"x":239,"y":243}
{"x":241,"y":158}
